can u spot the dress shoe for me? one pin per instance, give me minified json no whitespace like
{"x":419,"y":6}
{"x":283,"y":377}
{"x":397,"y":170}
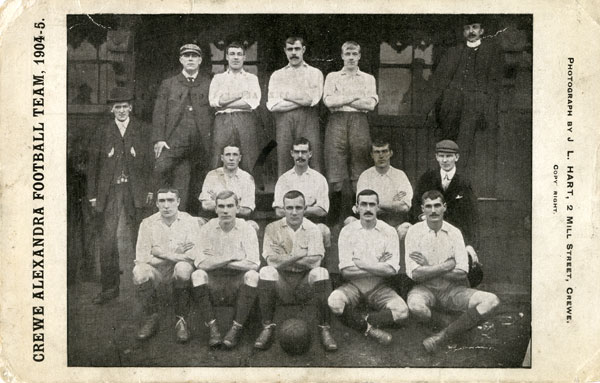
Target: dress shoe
{"x":214,"y":338}
{"x":106,"y":296}
{"x":432,"y":343}
{"x":263,"y":342}
{"x":383,"y":337}
{"x":149,"y":327}
{"x":233,"y":335}
{"x":327,"y":339}
{"x":182,"y":333}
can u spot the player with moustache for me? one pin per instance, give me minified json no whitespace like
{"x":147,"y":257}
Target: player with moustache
{"x":293,"y":249}
{"x":294,"y":93}
{"x":369,"y":254}
{"x":436,"y":259}
{"x":226,"y":269}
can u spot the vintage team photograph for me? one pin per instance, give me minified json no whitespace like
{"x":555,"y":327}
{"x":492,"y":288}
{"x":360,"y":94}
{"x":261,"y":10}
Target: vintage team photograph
{"x":299,"y":190}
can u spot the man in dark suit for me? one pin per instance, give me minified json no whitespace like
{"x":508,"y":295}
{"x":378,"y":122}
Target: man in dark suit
{"x":181,"y":124}
{"x":465,"y":87}
{"x":119,"y":166}
{"x":460,"y":199}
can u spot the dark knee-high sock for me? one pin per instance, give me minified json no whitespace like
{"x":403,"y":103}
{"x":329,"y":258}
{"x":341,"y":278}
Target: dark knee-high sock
{"x":182,"y":301}
{"x":353,"y":319}
{"x":202,"y":301}
{"x":245,"y":300}
{"x":335,"y":205}
{"x":383,"y":318}
{"x":267,"y":295}
{"x":322,"y":290}
{"x":466,"y":321}
{"x":147,"y":296}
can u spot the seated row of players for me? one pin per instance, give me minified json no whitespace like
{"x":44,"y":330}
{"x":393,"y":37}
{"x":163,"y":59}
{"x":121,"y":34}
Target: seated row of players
{"x":219,"y":263}
{"x":397,"y":206}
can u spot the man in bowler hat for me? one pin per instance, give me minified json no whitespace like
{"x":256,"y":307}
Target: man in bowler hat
{"x":119,"y":163}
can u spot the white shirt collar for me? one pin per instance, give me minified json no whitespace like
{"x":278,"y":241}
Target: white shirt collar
{"x":450,"y":174}
{"x":186,"y":75}
{"x":474,"y":44}
{"x":122,"y":125}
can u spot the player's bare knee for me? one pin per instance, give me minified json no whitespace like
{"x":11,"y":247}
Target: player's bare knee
{"x":491,"y":302}
{"x":399,"y":309}
{"x":199,"y":278}
{"x":269,"y":273}
{"x":318,"y":274}
{"x":418,"y":308}
{"x":183,"y":270}
{"x":402,"y":229}
{"x":337,"y":302}
{"x":349,"y":220}
{"x":251,"y":278}
{"x":142,"y":273}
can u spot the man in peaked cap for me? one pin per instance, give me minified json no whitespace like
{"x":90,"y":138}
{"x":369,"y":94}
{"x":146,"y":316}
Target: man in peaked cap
{"x":181,"y":124}
{"x":118,"y":169}
{"x":466,"y":83}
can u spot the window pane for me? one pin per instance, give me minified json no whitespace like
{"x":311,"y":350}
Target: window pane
{"x":107,"y":82}
{"x":389,"y":55}
{"x":216,"y":53}
{"x":251,"y":69}
{"x":82,"y":80}
{"x":85,"y":51}
{"x":394,"y":91}
{"x":425,"y":54}
{"x":252,"y":52}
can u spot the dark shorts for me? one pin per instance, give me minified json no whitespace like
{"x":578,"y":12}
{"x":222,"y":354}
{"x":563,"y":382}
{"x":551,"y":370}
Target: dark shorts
{"x":347,"y":146}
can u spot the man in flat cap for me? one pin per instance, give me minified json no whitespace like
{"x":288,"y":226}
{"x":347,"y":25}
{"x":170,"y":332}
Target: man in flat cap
{"x":466,"y":83}
{"x":461,"y":201}
{"x":119,"y":163}
{"x":181,"y":124}
{"x":235,"y":94}
{"x":294,"y":93}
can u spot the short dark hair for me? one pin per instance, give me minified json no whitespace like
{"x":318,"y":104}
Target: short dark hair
{"x":432,"y":194}
{"x":168,"y":190}
{"x":367,"y":192}
{"x":349,"y":44}
{"x":233,"y":144}
{"x":302,"y":141}
{"x":380,"y":143}
{"x":235,"y":44}
{"x":293,"y":194}
{"x":224,"y":194}
{"x":292,"y":39}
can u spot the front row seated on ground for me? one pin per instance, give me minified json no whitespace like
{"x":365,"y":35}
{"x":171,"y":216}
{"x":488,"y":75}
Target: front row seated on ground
{"x":218,"y":262}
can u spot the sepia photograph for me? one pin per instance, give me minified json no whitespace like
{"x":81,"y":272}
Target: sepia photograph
{"x":299,"y":190}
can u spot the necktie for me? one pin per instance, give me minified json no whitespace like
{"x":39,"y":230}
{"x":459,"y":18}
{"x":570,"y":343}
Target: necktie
{"x":446,"y":182}
{"x":190,"y":79}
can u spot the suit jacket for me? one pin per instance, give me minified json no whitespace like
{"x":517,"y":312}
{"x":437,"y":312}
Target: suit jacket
{"x":460,"y":199}
{"x":171,"y":100}
{"x":488,"y":76}
{"x":103,"y":157}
